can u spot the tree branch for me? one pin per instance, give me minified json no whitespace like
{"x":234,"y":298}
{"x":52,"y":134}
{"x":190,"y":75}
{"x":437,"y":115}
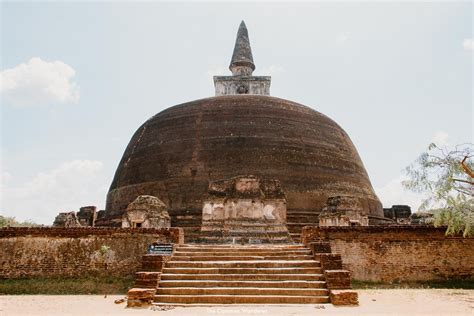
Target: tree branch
{"x":463,"y":191}
{"x":464,"y":181}
{"x":466,"y":168}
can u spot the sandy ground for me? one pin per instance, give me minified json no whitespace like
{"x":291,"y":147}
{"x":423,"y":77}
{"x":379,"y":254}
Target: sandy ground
{"x":372,"y":302}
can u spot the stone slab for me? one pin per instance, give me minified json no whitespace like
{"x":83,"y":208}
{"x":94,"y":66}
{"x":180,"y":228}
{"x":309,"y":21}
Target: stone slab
{"x":344,"y":297}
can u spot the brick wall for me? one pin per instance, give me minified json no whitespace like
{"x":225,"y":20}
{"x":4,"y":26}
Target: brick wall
{"x":398,"y":253}
{"x":51,"y":251}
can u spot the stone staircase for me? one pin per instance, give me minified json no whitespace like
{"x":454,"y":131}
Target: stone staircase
{"x":297,"y":219}
{"x":191,"y":221}
{"x":243,"y":232}
{"x":238,"y":274}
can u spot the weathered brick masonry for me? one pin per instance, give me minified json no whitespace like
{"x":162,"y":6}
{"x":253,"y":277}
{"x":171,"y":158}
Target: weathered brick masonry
{"x":398,"y":253}
{"x":45,"y":252}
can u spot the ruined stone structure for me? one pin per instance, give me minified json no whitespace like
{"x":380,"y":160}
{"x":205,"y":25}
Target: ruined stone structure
{"x":66,"y":219}
{"x":147,"y":212}
{"x":343,"y":211}
{"x":177,"y":153}
{"x":245,"y":208}
{"x":87,"y":215}
{"x":400,"y":214}
{"x":421,"y":218}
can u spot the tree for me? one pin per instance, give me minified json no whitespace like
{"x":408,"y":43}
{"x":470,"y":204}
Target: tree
{"x":446,"y":176}
{"x":12,"y":222}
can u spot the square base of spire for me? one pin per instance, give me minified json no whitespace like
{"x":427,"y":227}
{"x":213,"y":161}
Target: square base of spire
{"x":226,"y":85}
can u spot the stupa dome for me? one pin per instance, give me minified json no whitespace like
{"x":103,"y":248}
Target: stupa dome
{"x":176,"y":154}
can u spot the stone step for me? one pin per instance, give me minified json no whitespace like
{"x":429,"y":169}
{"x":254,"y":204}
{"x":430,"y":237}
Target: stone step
{"x":190,"y":230}
{"x":243,"y":239}
{"x":295,"y":233}
{"x":302,"y":221}
{"x":245,"y":233}
{"x":254,"y":252}
{"x":241,"y":291}
{"x":239,"y":249}
{"x":295,"y":218}
{"x":279,"y":246}
{"x":244,"y":227}
{"x":242,"y":277}
{"x":243,"y":264}
{"x":294,"y":229}
{"x":239,"y":257}
{"x":196,"y":227}
{"x":245,"y":223}
{"x":242,"y":299}
{"x":291,"y":270}
{"x":302,"y":212}
{"x":187,"y":218}
{"x":302,"y":224}
{"x":306,"y":221}
{"x":290,"y":227}
{"x":243,"y":230}
{"x":271,"y":231}
{"x":243,"y":283}
{"x":295,"y":236}
{"x":187,"y":215}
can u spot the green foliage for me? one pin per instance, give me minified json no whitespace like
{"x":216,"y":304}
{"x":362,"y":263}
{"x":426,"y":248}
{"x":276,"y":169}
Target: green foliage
{"x":12,"y":222}
{"x":104,"y":250}
{"x":450,"y":190}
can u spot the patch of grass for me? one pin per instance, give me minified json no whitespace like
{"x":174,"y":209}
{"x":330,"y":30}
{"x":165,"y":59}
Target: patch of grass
{"x":439,"y":284}
{"x":66,"y":286}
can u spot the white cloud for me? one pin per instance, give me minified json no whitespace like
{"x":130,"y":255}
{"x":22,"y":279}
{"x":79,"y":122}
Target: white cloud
{"x":272,"y":70}
{"x":440,"y":138}
{"x":393,"y":193}
{"x":39,"y":82}
{"x":342,"y":38}
{"x":4,"y":178}
{"x":216,"y":71}
{"x":468,"y":44}
{"x":65,"y":188}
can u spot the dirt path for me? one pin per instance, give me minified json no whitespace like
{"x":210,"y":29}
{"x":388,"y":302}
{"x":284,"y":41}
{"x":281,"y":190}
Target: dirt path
{"x":372,"y":302}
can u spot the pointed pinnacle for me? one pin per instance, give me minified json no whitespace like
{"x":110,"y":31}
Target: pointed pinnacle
{"x":242,"y":60}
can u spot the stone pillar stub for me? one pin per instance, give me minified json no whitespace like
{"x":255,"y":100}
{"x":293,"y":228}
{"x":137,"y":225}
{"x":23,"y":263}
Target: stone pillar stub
{"x":344,"y":211}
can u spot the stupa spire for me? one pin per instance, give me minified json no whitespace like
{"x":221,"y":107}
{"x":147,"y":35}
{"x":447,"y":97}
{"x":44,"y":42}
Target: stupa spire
{"x":242,"y":81}
{"x":242,"y":60}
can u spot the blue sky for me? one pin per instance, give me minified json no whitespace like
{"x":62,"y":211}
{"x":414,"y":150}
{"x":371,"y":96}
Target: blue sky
{"x":79,"y":78}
